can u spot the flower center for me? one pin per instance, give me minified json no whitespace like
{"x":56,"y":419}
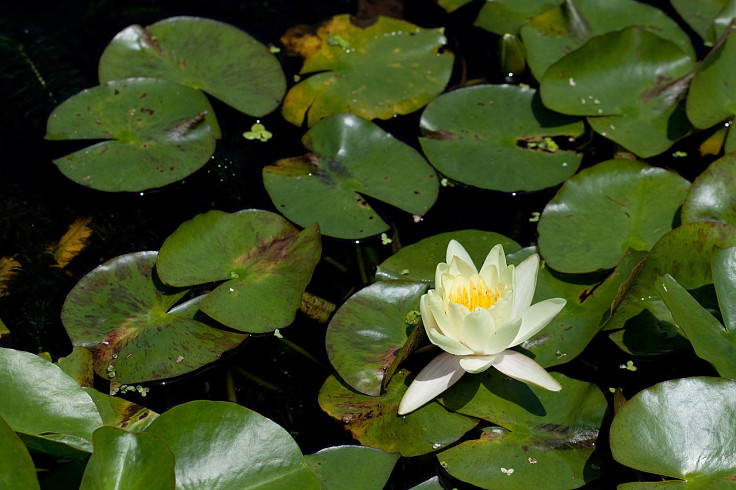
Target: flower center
{"x":474,"y":294}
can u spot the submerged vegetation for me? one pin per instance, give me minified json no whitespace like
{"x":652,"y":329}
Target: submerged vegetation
{"x":219,"y":265}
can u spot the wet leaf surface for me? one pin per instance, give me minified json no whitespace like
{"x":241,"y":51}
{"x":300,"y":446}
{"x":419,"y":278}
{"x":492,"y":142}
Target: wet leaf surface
{"x":16,"y":466}
{"x":341,"y":467}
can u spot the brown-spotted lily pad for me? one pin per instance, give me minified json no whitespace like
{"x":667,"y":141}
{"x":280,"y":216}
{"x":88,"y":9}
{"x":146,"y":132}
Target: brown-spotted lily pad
{"x":374,"y":421}
{"x":390,"y":67}
{"x":135,"y":331}
{"x":264,"y":260}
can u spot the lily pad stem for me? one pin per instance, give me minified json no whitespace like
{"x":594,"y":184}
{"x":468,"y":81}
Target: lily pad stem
{"x":230,"y":385}
{"x":301,"y":351}
{"x":254,"y":378}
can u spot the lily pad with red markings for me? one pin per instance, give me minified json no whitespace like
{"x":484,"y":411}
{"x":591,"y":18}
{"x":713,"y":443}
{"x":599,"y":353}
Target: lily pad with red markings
{"x":155,"y":132}
{"x":499,"y":137}
{"x":369,"y":333}
{"x":203,"y":54}
{"x":137,"y":332}
{"x":374,"y":421}
{"x":390,"y":67}
{"x":264,"y":260}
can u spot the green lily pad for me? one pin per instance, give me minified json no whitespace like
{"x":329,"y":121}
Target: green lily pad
{"x":349,"y":158}
{"x":78,"y":365}
{"x":418,"y":262}
{"x":264,"y":260}
{"x":367,"y":335}
{"x":546,"y":438}
{"x":588,"y":306}
{"x":390,"y":67}
{"x":647,"y":335}
{"x":16,"y":466}
{"x":374,"y":420}
{"x":452,"y":5}
{"x":120,"y":413}
{"x":553,"y":34}
{"x":710,"y":197}
{"x":156,"y":132}
{"x":606,"y":210}
{"x":341,"y":467}
{"x":498,"y":137}
{"x":203,"y":54}
{"x":135,"y":331}
{"x":631,"y":78}
{"x":682,"y":429}
{"x":710,"y":101}
{"x":508,"y":16}
{"x":123,"y":459}
{"x":221,"y":445}
{"x":42,"y":401}
{"x":700,"y":15}
{"x":684,"y":253}
{"x":431,"y":484}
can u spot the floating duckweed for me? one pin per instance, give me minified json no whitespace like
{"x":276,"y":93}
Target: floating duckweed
{"x":277,"y":334}
{"x":412,"y":318}
{"x":535,"y":217}
{"x":385,"y":240}
{"x":258,"y":132}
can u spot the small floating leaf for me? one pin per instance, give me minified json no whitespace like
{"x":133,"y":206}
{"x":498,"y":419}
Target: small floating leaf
{"x":73,"y":242}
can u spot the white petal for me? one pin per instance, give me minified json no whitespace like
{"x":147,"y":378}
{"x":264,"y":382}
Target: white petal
{"x":518,"y":366}
{"x":477,"y":330}
{"x":442,"y":268}
{"x":525,"y":284}
{"x":442,"y":372}
{"x":459,"y":267}
{"x":448,"y":344}
{"x":476,"y":364}
{"x":454,"y":249}
{"x":536,"y":317}
{"x":503,"y":309}
{"x":434,"y":302}
{"x":495,"y":257}
{"x":489,"y":273}
{"x":502,"y":337}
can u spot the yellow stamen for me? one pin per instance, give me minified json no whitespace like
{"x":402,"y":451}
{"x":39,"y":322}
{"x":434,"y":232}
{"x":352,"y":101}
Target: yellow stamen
{"x":476,"y":294}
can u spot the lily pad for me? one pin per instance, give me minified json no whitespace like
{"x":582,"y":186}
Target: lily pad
{"x":341,"y":467}
{"x":390,"y":67}
{"x":554,"y":33}
{"x":367,"y":335}
{"x":606,"y":210}
{"x":221,"y":445}
{"x":123,"y":459}
{"x":684,"y":253}
{"x":508,"y":16}
{"x":711,"y":197}
{"x":156,"y":132}
{"x":16,"y":466}
{"x":633,"y":79}
{"x":374,"y":420}
{"x":203,"y":54}
{"x":452,"y":5}
{"x":135,"y":331}
{"x":264,"y":260}
{"x":682,"y":429}
{"x":418,"y":262}
{"x":498,"y":137}
{"x":78,"y":365}
{"x":710,"y":101}
{"x":700,"y":15}
{"x":588,"y":306}
{"x":546,"y":438}
{"x":349,"y":158}
{"x":42,"y":401}
{"x":120,"y":413}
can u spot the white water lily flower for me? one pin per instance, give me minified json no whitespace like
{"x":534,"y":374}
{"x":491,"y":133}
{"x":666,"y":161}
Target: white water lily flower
{"x":476,"y":317}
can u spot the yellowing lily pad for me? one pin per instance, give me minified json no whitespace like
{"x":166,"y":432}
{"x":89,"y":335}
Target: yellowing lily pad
{"x":349,"y":158}
{"x":498,"y":137}
{"x":545,"y":439}
{"x":155,"y":132}
{"x":684,"y":429}
{"x":367,"y":335}
{"x":390,"y":67}
{"x":203,"y":54}
{"x":135,"y":331}
{"x":633,"y":80}
{"x":374,"y":421}
{"x":264,"y":260}
{"x":605,"y":210}
{"x":73,"y":242}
